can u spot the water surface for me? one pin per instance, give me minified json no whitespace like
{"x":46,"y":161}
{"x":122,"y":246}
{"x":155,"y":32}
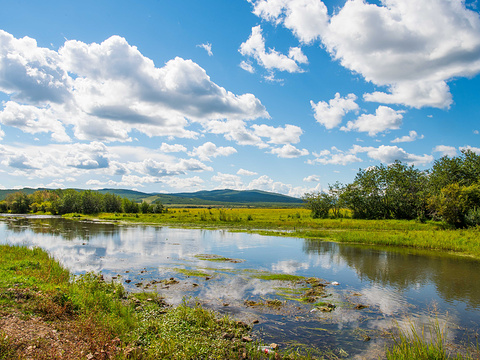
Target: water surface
{"x":390,"y":286}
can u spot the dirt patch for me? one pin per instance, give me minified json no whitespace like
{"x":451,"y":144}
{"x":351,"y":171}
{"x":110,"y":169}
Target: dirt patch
{"x":33,"y":338}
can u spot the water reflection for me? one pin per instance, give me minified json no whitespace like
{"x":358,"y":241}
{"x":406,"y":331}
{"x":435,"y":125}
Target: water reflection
{"x":388,"y":284}
{"x":454,"y":277}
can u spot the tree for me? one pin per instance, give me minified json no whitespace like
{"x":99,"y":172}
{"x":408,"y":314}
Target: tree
{"x":112,"y":203}
{"x":319,"y":203}
{"x":18,"y":203}
{"x":463,"y":170}
{"x":457,"y":204}
{"x":129,"y":206}
{"x":91,"y":202}
{"x":145,"y":207}
{"x":69,"y":202}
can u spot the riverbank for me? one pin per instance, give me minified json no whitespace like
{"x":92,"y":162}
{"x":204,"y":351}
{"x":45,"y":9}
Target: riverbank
{"x":45,"y":313}
{"x":298,"y":223}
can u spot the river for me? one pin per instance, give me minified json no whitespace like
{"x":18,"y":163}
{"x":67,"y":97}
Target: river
{"x":370,"y":289}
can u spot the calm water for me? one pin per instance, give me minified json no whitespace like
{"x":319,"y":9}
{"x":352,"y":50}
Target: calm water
{"x":397,"y":286}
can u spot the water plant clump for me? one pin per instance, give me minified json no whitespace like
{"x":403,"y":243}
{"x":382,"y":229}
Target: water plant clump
{"x":217,"y":258}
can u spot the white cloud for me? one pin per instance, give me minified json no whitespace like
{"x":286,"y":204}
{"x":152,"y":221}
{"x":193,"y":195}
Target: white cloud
{"x":476,"y":132}
{"x":106,"y":90}
{"x":278,"y":135}
{"x":271,"y":60}
{"x":306,"y":18}
{"x":385,"y":118}
{"x":167,"y":148}
{"x":186,"y":183}
{"x":476,"y":150}
{"x":446,"y":150}
{"x":247,"y":66}
{"x":312,"y":178}
{"x":209,"y":150}
{"x":207,"y":47}
{"x":235,"y":130}
{"x":289,"y":151}
{"x":246,"y":172}
{"x":31,"y":119}
{"x":411,"y":47}
{"x":334,"y":157}
{"x":267,"y":184}
{"x":412,"y":136}
{"x":32,"y":74}
{"x":228,"y":181}
{"x":389,"y":154}
{"x":331,"y":114}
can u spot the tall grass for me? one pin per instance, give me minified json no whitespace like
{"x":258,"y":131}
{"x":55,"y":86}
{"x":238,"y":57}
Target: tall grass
{"x":426,"y":343}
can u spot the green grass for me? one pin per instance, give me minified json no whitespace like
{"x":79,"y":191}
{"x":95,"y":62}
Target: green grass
{"x":425,"y":343}
{"x":32,"y":284}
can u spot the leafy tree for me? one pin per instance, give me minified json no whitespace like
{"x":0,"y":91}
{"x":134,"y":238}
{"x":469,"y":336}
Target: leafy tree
{"x":463,"y":170}
{"x":91,"y":202}
{"x":319,"y":203}
{"x":456,"y":204}
{"x":112,"y":203}
{"x":145,"y":207}
{"x":129,"y":206}
{"x":18,"y":203}
{"x":158,"y":207}
{"x":69,"y":202}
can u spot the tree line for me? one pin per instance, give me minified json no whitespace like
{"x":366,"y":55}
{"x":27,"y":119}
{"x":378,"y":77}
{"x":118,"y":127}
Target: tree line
{"x":59,"y":202}
{"x":449,"y":191}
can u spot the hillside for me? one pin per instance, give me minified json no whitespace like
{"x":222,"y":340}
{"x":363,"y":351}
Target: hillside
{"x":226,"y":197}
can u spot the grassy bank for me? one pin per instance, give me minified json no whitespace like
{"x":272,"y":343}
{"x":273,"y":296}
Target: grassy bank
{"x":298,"y":223}
{"x":45,"y":313}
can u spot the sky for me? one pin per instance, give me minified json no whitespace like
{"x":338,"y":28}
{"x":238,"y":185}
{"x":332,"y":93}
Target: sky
{"x":286,"y":96}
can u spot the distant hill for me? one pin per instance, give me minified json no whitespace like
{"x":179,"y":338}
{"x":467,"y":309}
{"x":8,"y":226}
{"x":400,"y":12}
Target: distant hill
{"x":237,"y":196}
{"x":226,"y":197}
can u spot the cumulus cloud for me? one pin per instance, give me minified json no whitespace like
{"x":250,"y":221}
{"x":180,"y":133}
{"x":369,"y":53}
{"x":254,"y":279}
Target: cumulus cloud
{"x":167,"y":148}
{"x":334,"y":157}
{"x":228,"y":181}
{"x":246,"y":172}
{"x":445,"y":150}
{"x":235,"y":130}
{"x":289,"y":151}
{"x":306,"y":18}
{"x":290,"y":134}
{"x":209,"y":150}
{"x":106,"y":90}
{"x":267,"y":184}
{"x":413,"y":48}
{"x":312,"y":178}
{"x":271,"y":59}
{"x":412,"y":136}
{"x":390,"y":154}
{"x":31,"y":119}
{"x":331,"y":114}
{"x":383,"y":154}
{"x":384,"y":119}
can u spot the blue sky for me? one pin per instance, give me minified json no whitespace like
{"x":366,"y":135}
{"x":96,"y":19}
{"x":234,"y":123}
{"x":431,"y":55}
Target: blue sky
{"x":279,"y":95}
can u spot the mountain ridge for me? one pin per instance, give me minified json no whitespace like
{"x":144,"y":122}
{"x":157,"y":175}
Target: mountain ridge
{"x":201,"y":197}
